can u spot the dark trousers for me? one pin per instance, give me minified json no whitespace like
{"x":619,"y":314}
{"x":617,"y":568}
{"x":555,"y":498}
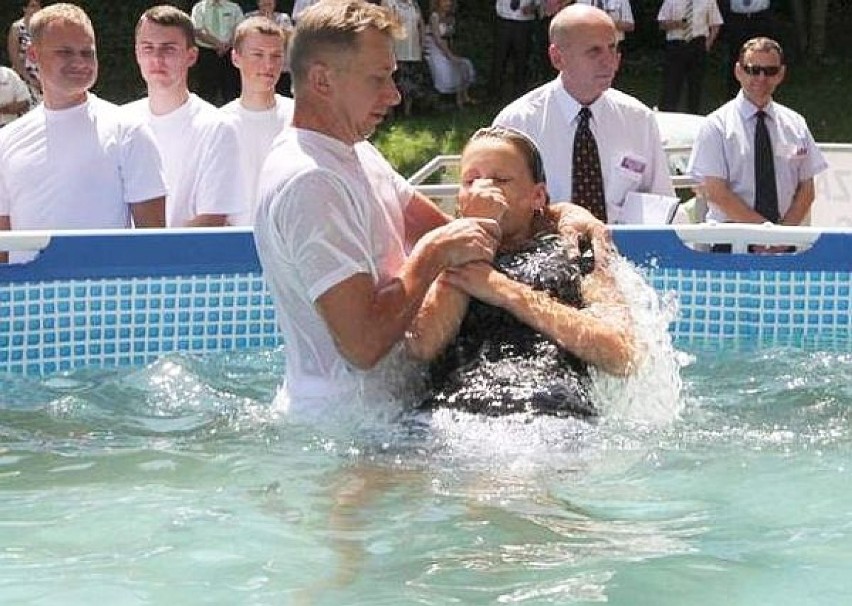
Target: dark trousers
{"x":216,"y":79}
{"x":737,"y":30}
{"x":684,"y":63}
{"x":512,"y":45}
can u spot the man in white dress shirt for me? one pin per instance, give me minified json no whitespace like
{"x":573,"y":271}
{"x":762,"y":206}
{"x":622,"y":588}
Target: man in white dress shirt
{"x":198,"y":143}
{"x":723,"y":155}
{"x":583,"y":48}
{"x":348,"y":247}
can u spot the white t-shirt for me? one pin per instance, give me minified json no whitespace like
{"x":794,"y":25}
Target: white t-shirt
{"x":76,"y":168}
{"x":724,"y":148}
{"x":12,"y":90}
{"x":626,"y":132}
{"x":200,"y":155}
{"x":327,"y":211}
{"x":255,"y":132}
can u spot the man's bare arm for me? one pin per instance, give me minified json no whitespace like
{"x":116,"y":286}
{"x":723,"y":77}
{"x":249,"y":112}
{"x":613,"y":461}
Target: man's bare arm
{"x":151,"y":213}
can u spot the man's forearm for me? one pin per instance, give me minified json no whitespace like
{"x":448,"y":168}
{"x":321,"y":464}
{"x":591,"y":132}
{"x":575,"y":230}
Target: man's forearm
{"x":803,"y":199}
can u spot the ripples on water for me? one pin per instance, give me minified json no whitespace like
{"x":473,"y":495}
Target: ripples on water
{"x":722,"y":482}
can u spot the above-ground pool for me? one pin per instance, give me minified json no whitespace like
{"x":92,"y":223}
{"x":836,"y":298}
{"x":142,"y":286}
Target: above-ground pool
{"x":142,"y":460}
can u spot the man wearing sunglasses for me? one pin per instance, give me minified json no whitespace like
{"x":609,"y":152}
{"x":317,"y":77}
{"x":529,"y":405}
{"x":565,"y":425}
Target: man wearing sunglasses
{"x":756,"y":158}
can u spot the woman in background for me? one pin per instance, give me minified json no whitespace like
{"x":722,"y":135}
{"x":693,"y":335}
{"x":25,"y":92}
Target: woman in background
{"x":450,"y":73}
{"x":18,"y":41}
{"x":412,"y":74}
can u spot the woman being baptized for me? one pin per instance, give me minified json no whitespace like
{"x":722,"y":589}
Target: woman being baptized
{"x":520,"y":334}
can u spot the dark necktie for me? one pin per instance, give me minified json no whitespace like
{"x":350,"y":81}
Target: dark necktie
{"x":765,"y":190}
{"x":586,"y":178}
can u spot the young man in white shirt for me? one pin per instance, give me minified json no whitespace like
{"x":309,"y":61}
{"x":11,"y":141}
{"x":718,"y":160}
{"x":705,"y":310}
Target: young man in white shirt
{"x":259,"y":52}
{"x":75,"y":161}
{"x":198,"y":144}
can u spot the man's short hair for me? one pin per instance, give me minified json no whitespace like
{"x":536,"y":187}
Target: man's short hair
{"x":166,"y":15}
{"x":333,"y":26}
{"x":761,"y":44}
{"x":62,"y":12}
{"x":259,"y":25}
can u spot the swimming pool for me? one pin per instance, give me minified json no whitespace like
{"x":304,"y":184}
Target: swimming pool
{"x":170,"y":479}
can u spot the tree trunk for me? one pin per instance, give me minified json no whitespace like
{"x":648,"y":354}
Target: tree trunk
{"x":819,"y":13}
{"x":800,"y":21}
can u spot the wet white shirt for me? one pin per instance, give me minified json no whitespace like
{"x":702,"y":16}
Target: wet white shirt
{"x":327,"y":211}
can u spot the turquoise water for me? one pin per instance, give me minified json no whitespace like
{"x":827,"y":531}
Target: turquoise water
{"x":180,"y":484}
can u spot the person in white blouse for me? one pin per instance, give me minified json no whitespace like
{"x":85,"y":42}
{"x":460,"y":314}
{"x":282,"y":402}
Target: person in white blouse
{"x":584,"y":49}
{"x":691,"y":28}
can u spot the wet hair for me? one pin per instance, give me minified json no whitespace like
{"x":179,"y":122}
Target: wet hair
{"x":520,"y":142}
{"x":761,"y":44}
{"x":333,"y":27}
{"x":166,"y":15}
{"x":259,"y":25}
{"x":62,"y":12}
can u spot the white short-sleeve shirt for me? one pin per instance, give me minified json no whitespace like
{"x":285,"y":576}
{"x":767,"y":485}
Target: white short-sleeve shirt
{"x":255,"y":132}
{"x":705,"y":14}
{"x":201,"y":158}
{"x":76,"y":168}
{"x":12,"y":90}
{"x":724,"y":148}
{"x":626,"y":132}
{"x":327,"y":211}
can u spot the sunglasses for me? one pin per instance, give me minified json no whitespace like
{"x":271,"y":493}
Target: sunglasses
{"x":756,"y":70}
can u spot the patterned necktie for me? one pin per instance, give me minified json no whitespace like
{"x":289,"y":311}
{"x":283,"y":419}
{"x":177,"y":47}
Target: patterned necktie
{"x":687,"y":20}
{"x":586,"y":179}
{"x":765,"y":189}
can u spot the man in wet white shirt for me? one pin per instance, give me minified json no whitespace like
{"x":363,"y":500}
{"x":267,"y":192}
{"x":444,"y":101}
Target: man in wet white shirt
{"x":75,"y":161}
{"x":348,"y":247}
{"x":258,"y":114}
{"x":742,"y":184}
{"x":615,"y":136}
{"x":198,"y":144}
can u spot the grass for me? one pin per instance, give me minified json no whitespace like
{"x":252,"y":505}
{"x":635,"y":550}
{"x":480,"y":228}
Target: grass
{"x":819,"y":91}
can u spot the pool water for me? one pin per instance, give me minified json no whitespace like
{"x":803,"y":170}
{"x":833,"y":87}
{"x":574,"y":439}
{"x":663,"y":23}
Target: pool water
{"x":713,"y":477}
{"x":180,"y":484}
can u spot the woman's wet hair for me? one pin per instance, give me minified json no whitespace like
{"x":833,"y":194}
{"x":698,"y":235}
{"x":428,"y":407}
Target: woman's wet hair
{"x":519,"y":141}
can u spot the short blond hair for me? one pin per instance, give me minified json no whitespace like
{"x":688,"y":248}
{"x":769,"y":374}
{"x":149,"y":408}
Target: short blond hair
{"x":333,"y":26}
{"x":56,"y":13}
{"x":259,"y":25}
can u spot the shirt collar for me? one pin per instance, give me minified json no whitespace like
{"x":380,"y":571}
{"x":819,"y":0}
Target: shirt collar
{"x":749,"y":110}
{"x":570,"y":107}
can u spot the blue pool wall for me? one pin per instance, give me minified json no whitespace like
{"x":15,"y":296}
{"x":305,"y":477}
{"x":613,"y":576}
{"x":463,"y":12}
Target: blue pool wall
{"x":126,"y":298}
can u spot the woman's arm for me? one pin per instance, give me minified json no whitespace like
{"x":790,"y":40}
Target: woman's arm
{"x":605,"y":342}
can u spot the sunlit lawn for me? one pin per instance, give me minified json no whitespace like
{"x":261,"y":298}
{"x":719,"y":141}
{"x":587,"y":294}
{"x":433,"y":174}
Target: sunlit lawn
{"x":820,"y":92}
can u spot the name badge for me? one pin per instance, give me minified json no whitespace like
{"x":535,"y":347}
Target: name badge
{"x":633,"y":164}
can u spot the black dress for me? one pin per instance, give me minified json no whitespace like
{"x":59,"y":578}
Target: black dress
{"x":498,"y":365}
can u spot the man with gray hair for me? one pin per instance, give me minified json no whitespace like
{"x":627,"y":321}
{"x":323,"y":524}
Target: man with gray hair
{"x":348,"y":247}
{"x":598,"y":144}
